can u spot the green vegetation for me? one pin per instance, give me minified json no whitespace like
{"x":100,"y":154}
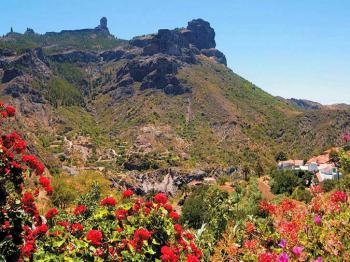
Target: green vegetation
{"x":62,"y":93}
{"x":67,"y":189}
{"x":286,"y":181}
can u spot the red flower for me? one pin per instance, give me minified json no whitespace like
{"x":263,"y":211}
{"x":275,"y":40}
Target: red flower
{"x":28,"y":204}
{"x":95,"y":237}
{"x":136,"y":207}
{"x":191,"y":258}
{"x":44,"y":181}
{"x":339,"y":196}
{"x":146,"y":210}
{"x":51,"y":213}
{"x":41,"y":229}
{"x":287,"y":205}
{"x":142,"y":234}
{"x":168,"y":207}
{"x":178,"y":229}
{"x":250,"y":227}
{"x":195,"y":250}
{"x":20,"y":146}
{"x":149,"y":204}
{"x":108,"y":201}
{"x":121,"y":214}
{"x":128,"y":193}
{"x":81,"y":209}
{"x":161,"y":198}
{"x":6,"y":225}
{"x":168,"y":255}
{"x":266,"y":207}
{"x":64,"y":224}
{"x":33,"y":163}
{"x":267,"y":257}
{"x":174,"y":215}
{"x":346,"y":137}
{"x":250,"y":244}
{"x":10,"y":111}
{"x":77,"y":227}
{"x":189,"y":236}
{"x":28,"y":249}
{"x":49,"y":190}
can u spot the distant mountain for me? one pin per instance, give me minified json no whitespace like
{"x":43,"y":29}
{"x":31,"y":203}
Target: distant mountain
{"x":88,"y":99}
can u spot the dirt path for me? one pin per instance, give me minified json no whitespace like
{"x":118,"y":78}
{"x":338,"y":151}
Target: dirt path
{"x":265,"y":189}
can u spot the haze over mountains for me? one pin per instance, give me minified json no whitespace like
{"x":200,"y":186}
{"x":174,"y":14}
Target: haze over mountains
{"x":88,"y":99}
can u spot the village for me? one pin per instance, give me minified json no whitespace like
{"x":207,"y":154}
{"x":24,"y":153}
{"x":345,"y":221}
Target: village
{"x":322,"y":166}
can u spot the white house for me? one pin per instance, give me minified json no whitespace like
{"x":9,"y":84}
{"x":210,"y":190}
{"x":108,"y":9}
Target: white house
{"x":328,"y":171}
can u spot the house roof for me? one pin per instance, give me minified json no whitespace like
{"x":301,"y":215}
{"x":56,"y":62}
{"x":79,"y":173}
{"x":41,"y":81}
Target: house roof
{"x":321,"y":159}
{"x":291,"y":162}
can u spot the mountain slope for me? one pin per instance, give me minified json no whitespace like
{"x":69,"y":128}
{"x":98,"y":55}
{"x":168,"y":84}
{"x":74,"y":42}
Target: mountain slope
{"x":156,"y":101}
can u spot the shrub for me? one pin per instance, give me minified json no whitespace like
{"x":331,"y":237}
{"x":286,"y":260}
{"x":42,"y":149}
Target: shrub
{"x":292,"y":231}
{"x":280,"y":156}
{"x":19,"y":212}
{"x":329,"y":185}
{"x":301,"y":194}
{"x":194,"y":209}
{"x":284,"y":182}
{"x":134,"y":229}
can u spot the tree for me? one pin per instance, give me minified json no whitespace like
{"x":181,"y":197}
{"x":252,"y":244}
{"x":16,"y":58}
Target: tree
{"x":334,"y":157}
{"x":284,"y":182}
{"x":280,"y":156}
{"x":259,"y":170}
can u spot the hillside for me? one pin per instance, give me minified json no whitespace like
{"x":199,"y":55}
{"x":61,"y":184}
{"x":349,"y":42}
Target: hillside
{"x":88,"y":100}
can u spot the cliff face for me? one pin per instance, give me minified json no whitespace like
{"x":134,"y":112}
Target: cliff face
{"x":157,"y":101}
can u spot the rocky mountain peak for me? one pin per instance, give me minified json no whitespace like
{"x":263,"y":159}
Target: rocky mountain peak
{"x":201,"y":34}
{"x":103,"y":24}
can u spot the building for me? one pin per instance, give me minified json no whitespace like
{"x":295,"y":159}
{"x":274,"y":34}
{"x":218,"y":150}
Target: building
{"x":320,"y":165}
{"x":328,"y":172}
{"x":290,"y":164}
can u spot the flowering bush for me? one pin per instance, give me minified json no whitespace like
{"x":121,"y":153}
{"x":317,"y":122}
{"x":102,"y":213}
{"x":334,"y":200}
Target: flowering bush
{"x":20,"y":221}
{"x":135,"y":229}
{"x":291,"y":231}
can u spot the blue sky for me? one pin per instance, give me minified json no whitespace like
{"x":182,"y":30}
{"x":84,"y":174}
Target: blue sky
{"x":291,"y":48}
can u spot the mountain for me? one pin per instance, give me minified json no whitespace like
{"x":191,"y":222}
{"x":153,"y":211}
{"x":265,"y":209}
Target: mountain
{"x":88,"y":100}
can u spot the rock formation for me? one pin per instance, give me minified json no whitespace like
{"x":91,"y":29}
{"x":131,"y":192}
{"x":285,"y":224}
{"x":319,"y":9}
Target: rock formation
{"x":103,"y":24}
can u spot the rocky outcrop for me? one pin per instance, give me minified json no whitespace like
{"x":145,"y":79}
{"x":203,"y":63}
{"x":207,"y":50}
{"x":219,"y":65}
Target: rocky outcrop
{"x":111,"y":55}
{"x":18,"y":88}
{"x":31,"y":62}
{"x":200,"y":34}
{"x":75,"y":56}
{"x":10,"y":74}
{"x":157,"y":72}
{"x":169,"y":180}
{"x":103,"y":25}
{"x":216,"y":54}
{"x":161,"y":180}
